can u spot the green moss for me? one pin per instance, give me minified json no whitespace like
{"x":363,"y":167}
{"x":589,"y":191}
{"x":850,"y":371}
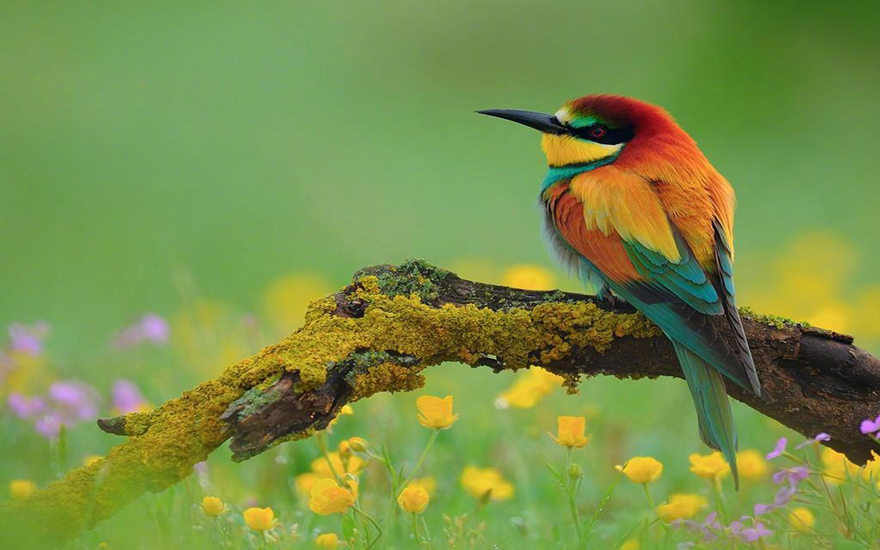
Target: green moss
{"x":777,"y":321}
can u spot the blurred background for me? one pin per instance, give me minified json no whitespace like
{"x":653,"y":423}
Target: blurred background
{"x":218,"y":165}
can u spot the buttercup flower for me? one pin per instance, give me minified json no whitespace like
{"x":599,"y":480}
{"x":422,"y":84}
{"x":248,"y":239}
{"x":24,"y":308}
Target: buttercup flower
{"x":213,"y":507}
{"x":305,"y":482}
{"x":428,"y":483}
{"x":413,"y":500}
{"x":752,"y":465}
{"x":486,"y":483}
{"x":642,"y":469}
{"x":321,"y":467}
{"x":259,"y":519}
{"x":570,"y":431}
{"x":528,"y":389}
{"x":631,"y":544}
{"x":327,"y":497}
{"x":358,"y":444}
{"x":681,"y":506}
{"x":802,"y":519}
{"x":837,"y":466}
{"x":328,"y":540}
{"x":711,"y":466}
{"x":436,"y":413}
{"x":20,"y":489}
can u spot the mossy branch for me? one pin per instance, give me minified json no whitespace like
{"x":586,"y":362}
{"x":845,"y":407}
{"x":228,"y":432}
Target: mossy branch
{"x":392,"y":322}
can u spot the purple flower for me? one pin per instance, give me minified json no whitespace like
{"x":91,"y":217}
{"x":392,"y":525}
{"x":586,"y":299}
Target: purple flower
{"x":792,"y":475}
{"x":28,"y":339}
{"x":779,"y":449}
{"x":49,"y":426}
{"x":74,"y":401}
{"x":869,"y":426}
{"x":127,"y":397}
{"x":818,"y":439}
{"x":783,"y":496}
{"x":150,"y":328}
{"x":25,"y":407}
{"x":754,"y":534}
{"x":761,"y":509}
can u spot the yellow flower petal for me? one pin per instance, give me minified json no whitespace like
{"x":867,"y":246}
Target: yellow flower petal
{"x":642,"y":469}
{"x":486,"y":483}
{"x":681,"y":506}
{"x":711,"y":466}
{"x":570,"y":431}
{"x":259,"y":519}
{"x":413,"y":500}
{"x":436,"y":413}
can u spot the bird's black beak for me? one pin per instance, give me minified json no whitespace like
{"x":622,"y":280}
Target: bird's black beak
{"x":548,"y":124}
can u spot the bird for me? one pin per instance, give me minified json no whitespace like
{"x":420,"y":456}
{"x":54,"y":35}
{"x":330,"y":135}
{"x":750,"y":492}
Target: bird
{"x":633,"y":206}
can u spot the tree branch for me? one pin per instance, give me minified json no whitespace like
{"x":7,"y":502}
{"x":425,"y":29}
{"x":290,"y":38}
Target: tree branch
{"x":380,"y":332}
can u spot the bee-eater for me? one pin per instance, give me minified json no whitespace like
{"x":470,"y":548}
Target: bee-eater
{"x":632,"y":204}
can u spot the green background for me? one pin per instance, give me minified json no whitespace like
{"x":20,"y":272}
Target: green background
{"x":241,"y":141}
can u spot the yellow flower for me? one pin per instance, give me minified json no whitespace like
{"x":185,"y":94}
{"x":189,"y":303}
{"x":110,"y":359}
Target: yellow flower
{"x":358,"y":444}
{"x":413,"y":500}
{"x":428,"y":483}
{"x":436,"y":413}
{"x":486,"y":483}
{"x":642,"y":469}
{"x":802,"y":519}
{"x":751,"y":464}
{"x":327,"y":540}
{"x":213,"y":507}
{"x":91,"y":459}
{"x":681,"y":506}
{"x":344,"y":449}
{"x":570,"y":431}
{"x":528,"y":389}
{"x":103,"y":546}
{"x":528,"y":277}
{"x":20,"y":489}
{"x":329,"y":498}
{"x":711,"y":466}
{"x":352,"y":465}
{"x":631,"y":544}
{"x":304,"y":482}
{"x":259,"y":519}
{"x":837,"y":466}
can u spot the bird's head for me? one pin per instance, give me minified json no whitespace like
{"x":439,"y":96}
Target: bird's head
{"x":591,"y":129}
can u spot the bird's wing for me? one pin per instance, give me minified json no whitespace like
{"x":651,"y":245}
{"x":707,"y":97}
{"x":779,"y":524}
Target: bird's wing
{"x":617,"y":224}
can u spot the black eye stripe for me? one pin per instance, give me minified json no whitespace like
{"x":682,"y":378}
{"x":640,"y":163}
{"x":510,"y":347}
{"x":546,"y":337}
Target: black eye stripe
{"x":612,"y":135}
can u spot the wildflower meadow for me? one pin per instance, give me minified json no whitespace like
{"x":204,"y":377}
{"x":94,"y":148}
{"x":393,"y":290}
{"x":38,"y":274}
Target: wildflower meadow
{"x":188,"y":188}
{"x":505,"y":461}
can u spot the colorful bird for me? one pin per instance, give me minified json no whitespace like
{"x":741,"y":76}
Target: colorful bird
{"x":632,"y":204}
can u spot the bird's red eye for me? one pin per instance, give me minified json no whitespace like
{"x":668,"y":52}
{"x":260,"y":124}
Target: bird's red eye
{"x":598,"y":132}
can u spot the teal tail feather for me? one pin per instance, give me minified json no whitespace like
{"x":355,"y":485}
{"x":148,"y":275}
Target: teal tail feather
{"x":712,"y":405}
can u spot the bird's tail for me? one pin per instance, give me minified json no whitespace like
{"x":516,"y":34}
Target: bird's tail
{"x":713,"y":407}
